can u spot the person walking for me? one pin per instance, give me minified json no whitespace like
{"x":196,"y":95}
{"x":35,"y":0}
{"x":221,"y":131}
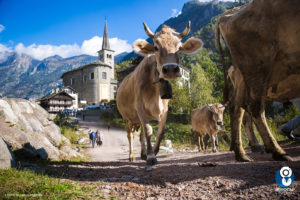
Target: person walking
{"x":94,"y":136}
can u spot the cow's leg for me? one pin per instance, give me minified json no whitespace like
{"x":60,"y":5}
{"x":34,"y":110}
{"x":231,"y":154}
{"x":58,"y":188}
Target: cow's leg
{"x":199,"y":143}
{"x":151,"y":158}
{"x":269,"y":141}
{"x":236,"y":116}
{"x":206,"y":140}
{"x":143,"y":145}
{"x":255,"y":146}
{"x":130,"y":140}
{"x":160,"y":132}
{"x":213,"y":142}
{"x":147,"y":130}
{"x":217,"y":142}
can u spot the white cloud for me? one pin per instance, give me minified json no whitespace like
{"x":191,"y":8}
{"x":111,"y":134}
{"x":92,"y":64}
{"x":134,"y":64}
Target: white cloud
{"x":1,"y":28}
{"x":89,"y":47}
{"x":175,"y":12}
{"x":3,"y":52}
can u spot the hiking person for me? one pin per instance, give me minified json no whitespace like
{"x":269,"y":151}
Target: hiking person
{"x":94,"y":136}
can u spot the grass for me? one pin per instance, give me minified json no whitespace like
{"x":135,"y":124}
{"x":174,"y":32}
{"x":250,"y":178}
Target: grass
{"x":16,"y":184}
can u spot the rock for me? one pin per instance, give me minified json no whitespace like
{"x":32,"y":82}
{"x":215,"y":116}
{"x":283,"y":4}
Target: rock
{"x":149,"y":168}
{"x":168,"y":144}
{"x":83,"y":140}
{"x":165,"y":149}
{"x":127,"y":177}
{"x":25,"y":125}
{"x":68,"y":152}
{"x":7,"y":159}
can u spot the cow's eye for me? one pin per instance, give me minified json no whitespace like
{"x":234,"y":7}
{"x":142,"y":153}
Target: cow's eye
{"x":155,"y":48}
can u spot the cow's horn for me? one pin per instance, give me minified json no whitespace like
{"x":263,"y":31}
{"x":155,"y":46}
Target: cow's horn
{"x":147,"y":30}
{"x":186,"y":30}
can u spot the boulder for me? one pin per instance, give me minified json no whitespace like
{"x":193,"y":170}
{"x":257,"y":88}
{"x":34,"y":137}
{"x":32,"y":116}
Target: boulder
{"x":26,"y":125}
{"x":83,"y":140}
{"x":165,"y":149}
{"x":168,"y":144}
{"x":7,"y":159}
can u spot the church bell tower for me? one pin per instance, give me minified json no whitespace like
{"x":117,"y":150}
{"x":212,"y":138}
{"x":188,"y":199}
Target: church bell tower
{"x":106,"y":55}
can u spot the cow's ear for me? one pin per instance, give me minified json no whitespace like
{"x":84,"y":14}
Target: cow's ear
{"x":191,"y":46}
{"x":142,"y":47}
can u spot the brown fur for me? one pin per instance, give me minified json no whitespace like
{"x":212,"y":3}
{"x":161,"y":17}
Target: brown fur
{"x":264,"y":42}
{"x":138,"y":97}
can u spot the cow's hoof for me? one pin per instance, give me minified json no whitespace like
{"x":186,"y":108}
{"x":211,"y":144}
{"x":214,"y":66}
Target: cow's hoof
{"x":151,"y":161}
{"x":281,"y":157}
{"x":214,"y":151}
{"x":258,"y":149}
{"x":143,"y":156}
{"x":242,"y":158}
{"x":131,"y":159}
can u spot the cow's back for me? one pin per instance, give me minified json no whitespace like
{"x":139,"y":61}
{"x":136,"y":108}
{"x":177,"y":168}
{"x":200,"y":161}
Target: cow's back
{"x":264,"y":41}
{"x":126,"y":98}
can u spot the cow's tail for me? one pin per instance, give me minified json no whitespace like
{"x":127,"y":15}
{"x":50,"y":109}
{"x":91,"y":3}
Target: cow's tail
{"x":218,"y":42}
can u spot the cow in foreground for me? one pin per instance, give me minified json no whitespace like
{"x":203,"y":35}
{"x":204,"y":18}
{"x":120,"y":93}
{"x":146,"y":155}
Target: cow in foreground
{"x":264,"y":41}
{"x":138,"y":97}
{"x":207,"y":120}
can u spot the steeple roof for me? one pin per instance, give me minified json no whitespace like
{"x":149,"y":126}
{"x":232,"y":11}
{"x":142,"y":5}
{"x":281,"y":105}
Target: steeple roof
{"x":105,"y":43}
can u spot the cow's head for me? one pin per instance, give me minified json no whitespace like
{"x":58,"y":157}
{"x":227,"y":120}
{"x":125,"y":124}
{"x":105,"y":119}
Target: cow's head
{"x":167,"y":48}
{"x":217,"y":113}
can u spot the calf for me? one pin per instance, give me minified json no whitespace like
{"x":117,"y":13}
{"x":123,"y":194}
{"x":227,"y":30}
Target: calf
{"x":207,"y":120}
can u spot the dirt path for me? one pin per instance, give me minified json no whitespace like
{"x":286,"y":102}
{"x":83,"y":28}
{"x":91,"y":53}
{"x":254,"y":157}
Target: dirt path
{"x":115,"y":142}
{"x":179,"y":175}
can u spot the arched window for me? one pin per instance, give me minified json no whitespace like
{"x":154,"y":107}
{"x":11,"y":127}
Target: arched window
{"x":104,"y":75}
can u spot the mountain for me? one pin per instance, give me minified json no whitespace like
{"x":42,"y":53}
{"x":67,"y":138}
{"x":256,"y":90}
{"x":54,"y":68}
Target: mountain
{"x":24,"y":77}
{"x":120,"y":57}
{"x":199,"y":13}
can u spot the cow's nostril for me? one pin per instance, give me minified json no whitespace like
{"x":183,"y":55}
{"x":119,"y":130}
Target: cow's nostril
{"x":176,"y":70}
{"x":164,"y":70}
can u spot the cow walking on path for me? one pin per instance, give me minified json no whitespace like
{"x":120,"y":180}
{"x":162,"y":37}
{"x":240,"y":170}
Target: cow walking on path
{"x":207,"y":120}
{"x":138,"y":97}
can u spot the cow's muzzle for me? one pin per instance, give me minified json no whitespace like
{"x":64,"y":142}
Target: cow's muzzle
{"x":220,"y":123}
{"x":170,"y":70}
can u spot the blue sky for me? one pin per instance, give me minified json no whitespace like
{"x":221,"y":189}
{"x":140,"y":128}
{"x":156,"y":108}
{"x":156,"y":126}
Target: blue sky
{"x":42,"y":28}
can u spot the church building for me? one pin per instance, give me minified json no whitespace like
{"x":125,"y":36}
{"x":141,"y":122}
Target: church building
{"x":94,"y":82}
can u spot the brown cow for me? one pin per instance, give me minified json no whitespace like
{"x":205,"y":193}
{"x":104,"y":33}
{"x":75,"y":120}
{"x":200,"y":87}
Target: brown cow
{"x":138,"y":97}
{"x":264,"y":42}
{"x":238,"y":81}
{"x":207,"y":120}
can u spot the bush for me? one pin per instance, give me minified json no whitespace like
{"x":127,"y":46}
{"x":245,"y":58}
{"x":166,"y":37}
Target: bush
{"x":69,"y":133}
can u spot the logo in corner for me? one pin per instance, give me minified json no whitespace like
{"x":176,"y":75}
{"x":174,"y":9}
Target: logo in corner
{"x":284,"y":177}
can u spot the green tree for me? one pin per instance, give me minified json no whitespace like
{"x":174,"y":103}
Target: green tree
{"x":201,"y":88}
{"x":180,"y":103}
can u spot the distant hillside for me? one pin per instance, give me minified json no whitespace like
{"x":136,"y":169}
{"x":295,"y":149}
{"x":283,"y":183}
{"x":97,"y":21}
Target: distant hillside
{"x":24,"y":77}
{"x":199,"y":13}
